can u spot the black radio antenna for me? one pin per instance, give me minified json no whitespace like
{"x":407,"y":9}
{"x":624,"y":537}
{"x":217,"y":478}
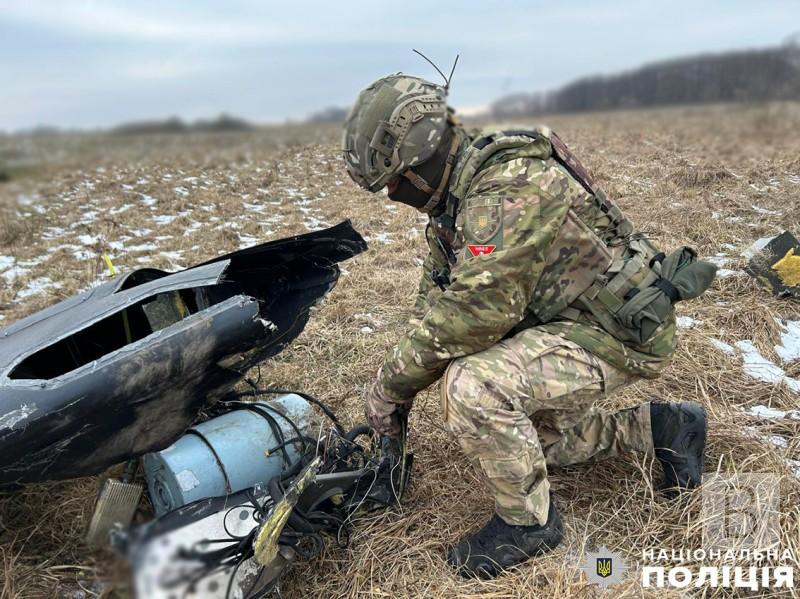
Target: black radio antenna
{"x":438,"y":70}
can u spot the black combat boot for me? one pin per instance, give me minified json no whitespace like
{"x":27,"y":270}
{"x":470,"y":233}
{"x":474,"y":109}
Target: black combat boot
{"x":679,"y":438}
{"x":498,"y":546}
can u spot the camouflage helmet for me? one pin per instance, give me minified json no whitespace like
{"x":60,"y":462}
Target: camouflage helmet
{"x":395,"y":123}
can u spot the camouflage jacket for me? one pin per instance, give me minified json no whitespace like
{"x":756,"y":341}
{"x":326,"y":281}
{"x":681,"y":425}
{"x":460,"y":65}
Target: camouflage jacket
{"x":504,"y":257}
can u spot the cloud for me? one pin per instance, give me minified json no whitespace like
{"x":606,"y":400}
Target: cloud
{"x":91,"y":18}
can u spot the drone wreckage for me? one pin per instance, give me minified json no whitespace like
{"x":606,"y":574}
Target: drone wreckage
{"x":141,"y":370}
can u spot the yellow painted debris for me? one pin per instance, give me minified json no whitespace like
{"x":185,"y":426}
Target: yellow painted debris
{"x":788,"y":269}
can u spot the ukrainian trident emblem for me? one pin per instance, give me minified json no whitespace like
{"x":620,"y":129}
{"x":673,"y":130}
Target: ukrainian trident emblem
{"x":604,"y":567}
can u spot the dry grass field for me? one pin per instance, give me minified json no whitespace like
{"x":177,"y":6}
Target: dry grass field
{"x":716,"y":178}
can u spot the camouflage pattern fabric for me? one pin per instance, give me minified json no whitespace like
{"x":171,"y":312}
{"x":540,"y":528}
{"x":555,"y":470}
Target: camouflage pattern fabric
{"x":525,"y":404}
{"x":529,"y":259}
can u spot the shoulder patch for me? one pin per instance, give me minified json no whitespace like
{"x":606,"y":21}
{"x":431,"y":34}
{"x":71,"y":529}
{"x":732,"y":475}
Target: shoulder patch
{"x":481,"y":250}
{"x":484,"y":217}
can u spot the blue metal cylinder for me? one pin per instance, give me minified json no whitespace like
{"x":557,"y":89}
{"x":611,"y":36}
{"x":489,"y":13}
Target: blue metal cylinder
{"x":228,"y":453}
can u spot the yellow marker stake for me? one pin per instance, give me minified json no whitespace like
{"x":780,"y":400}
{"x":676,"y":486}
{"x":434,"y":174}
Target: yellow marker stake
{"x":111,"y":270}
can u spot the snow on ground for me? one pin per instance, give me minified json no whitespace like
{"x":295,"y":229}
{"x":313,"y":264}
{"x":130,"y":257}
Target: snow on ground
{"x":37,"y":286}
{"x":760,"y":210}
{"x":758,"y":367}
{"x":15,"y":272}
{"x":724,"y":273}
{"x":164,"y":219}
{"x":768,"y":413}
{"x":687,"y":322}
{"x":246,"y":241}
{"x":789,"y":348}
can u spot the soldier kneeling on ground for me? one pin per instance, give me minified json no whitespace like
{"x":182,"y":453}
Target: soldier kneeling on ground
{"x":538,"y":297}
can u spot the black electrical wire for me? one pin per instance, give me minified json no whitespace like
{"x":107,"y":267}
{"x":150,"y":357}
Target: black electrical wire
{"x":310,"y":398}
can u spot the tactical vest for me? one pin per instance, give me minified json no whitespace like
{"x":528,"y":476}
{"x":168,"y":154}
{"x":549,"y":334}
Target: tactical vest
{"x":597,"y":264}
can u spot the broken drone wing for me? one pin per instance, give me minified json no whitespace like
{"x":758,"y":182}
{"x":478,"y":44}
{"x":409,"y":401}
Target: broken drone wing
{"x":124,"y":368}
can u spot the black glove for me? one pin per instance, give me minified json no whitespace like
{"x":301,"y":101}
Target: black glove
{"x":394,"y":469}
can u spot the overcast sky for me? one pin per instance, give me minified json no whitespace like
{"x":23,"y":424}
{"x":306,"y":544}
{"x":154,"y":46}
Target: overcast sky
{"x":89,"y":63}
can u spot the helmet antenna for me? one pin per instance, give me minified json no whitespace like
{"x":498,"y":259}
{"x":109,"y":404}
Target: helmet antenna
{"x":438,"y":70}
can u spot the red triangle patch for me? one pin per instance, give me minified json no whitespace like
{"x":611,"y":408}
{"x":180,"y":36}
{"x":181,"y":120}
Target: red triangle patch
{"x":481,"y":250}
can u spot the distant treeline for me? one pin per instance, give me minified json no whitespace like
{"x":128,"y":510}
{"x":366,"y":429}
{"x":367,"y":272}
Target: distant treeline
{"x":332,"y":114}
{"x":747,"y":76}
{"x":223,"y":122}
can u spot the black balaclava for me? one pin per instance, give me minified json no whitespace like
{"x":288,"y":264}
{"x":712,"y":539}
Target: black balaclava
{"x":431,"y":170}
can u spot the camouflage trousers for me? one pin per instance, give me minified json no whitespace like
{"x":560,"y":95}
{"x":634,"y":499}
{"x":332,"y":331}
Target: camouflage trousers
{"x":526,"y":403}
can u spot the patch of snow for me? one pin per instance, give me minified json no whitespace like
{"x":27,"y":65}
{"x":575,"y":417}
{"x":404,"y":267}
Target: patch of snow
{"x":164,"y":219}
{"x":756,"y":247}
{"x":88,"y":217}
{"x":382,"y":237}
{"x":724,"y":273}
{"x":181,"y":191}
{"x":144,"y":247}
{"x":6,"y":262}
{"x":367,"y":330}
{"x":758,"y":367}
{"x":141,"y":232}
{"x":33,"y":261}
{"x":14,"y":272}
{"x":259,"y":208}
{"x":116,"y":245}
{"x":728,"y":246}
{"x":718,"y":260}
{"x":88,"y":239}
{"x":25,"y":200}
{"x":766,"y":412}
{"x":312,"y":223}
{"x":148,"y":200}
{"x":246,"y":241}
{"x":687,"y":322}
{"x":789,"y":348}
{"x":53,"y":232}
{"x":723,"y":347}
{"x":760,"y":210}
{"x":120,"y":209}
{"x":37,"y":287}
